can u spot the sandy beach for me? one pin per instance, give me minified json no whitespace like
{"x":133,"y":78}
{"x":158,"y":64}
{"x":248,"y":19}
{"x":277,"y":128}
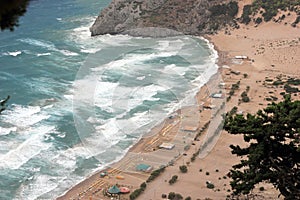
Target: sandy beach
{"x":271,"y":51}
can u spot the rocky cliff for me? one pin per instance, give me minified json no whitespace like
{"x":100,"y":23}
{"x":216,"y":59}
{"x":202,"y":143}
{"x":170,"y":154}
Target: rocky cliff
{"x":173,"y":17}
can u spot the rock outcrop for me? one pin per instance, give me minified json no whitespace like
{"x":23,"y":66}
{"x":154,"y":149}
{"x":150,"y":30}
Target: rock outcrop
{"x":172,"y":17}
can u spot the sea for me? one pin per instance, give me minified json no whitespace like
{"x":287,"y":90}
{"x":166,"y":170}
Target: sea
{"x":78,"y":103}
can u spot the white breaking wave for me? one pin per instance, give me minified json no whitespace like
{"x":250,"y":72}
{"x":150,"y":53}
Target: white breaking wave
{"x":31,"y":147}
{"x":6,"y":131}
{"x":13,"y":53}
{"x":24,"y":116}
{"x":38,"y":186}
{"x":170,"y":45}
{"x":140,"y":94}
{"x":104,"y":95}
{"x":173,"y":69}
{"x":47,"y":45}
{"x":43,"y":54}
{"x":140,"y":78}
{"x":68,"y":53}
{"x":87,"y":44}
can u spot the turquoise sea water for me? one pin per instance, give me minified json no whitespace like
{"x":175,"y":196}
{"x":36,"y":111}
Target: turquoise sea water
{"x":78,"y":103}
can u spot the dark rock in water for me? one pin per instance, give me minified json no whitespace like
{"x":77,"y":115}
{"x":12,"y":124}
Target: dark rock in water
{"x":160,"y":18}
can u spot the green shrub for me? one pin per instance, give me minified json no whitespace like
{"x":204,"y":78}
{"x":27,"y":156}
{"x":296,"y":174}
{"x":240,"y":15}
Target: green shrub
{"x":246,"y":12}
{"x":244,"y":94}
{"x":290,"y":89}
{"x":178,"y":196}
{"x":269,"y":14}
{"x":245,"y":99}
{"x":171,"y":195}
{"x":235,"y":86}
{"x":261,"y":189}
{"x":294,"y":24}
{"x":183,"y":168}
{"x":282,"y":93}
{"x":143,"y":185}
{"x":278,"y":82}
{"x":258,"y":20}
{"x":230,"y":9}
{"x":233,"y":110}
{"x":173,"y":179}
{"x":135,"y":193}
{"x":293,"y":81}
{"x":210,"y":185}
{"x":269,"y":80}
{"x":268,"y":99}
{"x":274,"y":98}
{"x":219,"y":9}
{"x":247,"y":88}
{"x":155,"y":174}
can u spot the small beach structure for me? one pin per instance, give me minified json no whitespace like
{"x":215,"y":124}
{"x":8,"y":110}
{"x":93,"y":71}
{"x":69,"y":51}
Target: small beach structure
{"x":167,"y":146}
{"x":217,"y":95}
{"x":222,"y":85}
{"x":190,"y":128}
{"x":207,"y":105}
{"x":241,"y":57}
{"x":114,"y":191}
{"x":143,"y":168}
{"x":103,"y":174}
{"x":235,"y":72}
{"x":120,"y":177}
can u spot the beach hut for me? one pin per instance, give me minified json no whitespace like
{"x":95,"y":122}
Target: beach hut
{"x":217,"y":95}
{"x":167,"y":146}
{"x":241,"y":57}
{"x":143,"y":168}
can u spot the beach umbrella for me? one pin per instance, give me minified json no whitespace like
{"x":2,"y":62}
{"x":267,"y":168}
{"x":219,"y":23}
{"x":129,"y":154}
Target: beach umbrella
{"x":124,"y":190}
{"x":113,"y":190}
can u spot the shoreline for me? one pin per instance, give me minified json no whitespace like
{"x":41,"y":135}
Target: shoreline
{"x":135,"y":147}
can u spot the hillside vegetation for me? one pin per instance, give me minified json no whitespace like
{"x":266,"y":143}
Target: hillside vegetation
{"x":269,"y":9}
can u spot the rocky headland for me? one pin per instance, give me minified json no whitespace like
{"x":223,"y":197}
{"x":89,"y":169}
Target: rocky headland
{"x":172,"y":17}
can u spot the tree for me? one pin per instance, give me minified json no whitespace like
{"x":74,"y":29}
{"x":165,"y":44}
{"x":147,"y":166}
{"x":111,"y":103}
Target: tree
{"x":10,"y":11}
{"x":183,"y":168}
{"x":2,"y":104}
{"x":273,"y":150}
